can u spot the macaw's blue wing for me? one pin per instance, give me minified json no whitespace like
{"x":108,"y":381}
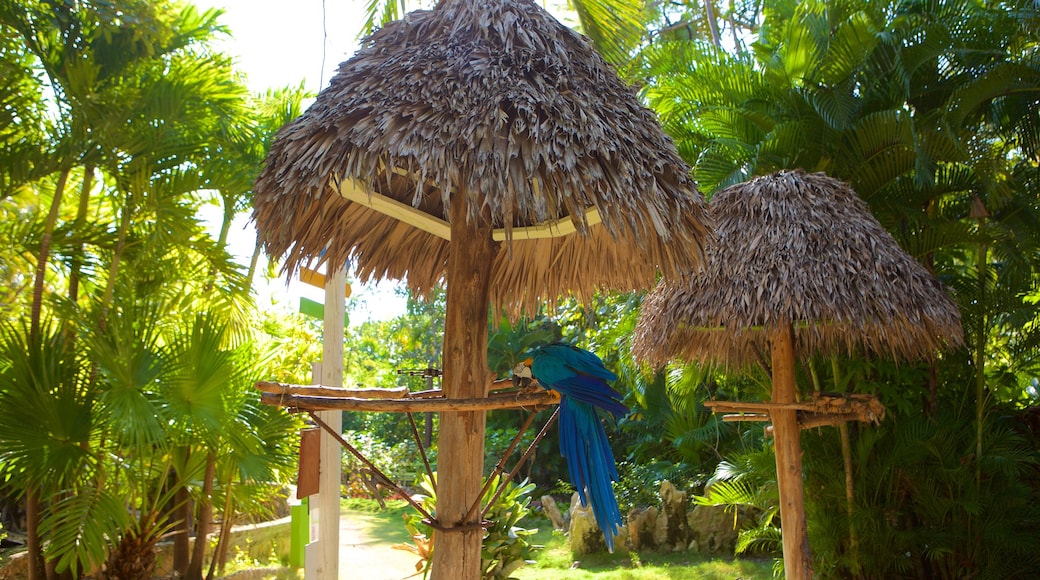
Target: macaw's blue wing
{"x":579,"y":374}
{"x":581,"y":379}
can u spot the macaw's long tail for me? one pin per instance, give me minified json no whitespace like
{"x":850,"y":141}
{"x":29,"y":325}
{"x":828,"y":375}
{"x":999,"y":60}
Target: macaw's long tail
{"x":583,"y":443}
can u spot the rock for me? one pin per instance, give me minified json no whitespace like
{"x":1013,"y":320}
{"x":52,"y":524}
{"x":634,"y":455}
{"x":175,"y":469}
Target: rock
{"x":675,"y":529}
{"x":585,"y":535}
{"x":622,"y":540}
{"x":641,"y":525}
{"x":553,"y":513}
{"x":712,"y":530}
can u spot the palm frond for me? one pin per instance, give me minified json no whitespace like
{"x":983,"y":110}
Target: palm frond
{"x":762,"y":539}
{"x":80,"y":526}
{"x":614,"y":26}
{"x":850,"y":45}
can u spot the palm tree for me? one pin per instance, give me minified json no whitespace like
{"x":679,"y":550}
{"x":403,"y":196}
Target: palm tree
{"x":908,"y":102}
{"x":139,"y":107}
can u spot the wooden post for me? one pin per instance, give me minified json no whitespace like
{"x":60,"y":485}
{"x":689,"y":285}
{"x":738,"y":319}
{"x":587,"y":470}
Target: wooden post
{"x":787,"y":436}
{"x":460,"y":457}
{"x":327,"y":505}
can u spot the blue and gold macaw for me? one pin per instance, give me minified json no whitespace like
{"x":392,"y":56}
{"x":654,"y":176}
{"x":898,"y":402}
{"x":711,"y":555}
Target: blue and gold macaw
{"x":582,"y":382}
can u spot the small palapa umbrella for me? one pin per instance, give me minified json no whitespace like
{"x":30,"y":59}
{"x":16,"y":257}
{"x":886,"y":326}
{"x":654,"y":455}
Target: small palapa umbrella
{"x":484,"y":145}
{"x":799,"y":265}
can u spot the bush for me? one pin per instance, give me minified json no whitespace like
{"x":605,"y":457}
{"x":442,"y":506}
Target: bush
{"x":640,"y":484}
{"x":506,"y":545}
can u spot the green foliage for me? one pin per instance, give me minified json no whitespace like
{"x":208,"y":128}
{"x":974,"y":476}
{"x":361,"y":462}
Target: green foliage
{"x":399,"y":461}
{"x":747,"y":485}
{"x":506,"y":545}
{"x":80,"y":527}
{"x":917,"y":508}
{"x":498,"y":440}
{"x":640,"y":481}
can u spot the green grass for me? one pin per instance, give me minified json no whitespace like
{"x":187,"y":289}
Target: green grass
{"x":557,"y":562}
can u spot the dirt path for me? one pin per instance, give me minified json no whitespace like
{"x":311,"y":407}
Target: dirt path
{"x":361,"y":557}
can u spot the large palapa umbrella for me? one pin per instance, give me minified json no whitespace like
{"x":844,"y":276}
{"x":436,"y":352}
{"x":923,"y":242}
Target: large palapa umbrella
{"x":799,"y":265}
{"x":485,"y":145}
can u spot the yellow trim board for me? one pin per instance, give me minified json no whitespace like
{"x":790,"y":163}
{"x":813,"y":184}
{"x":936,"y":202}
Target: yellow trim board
{"x":315,"y":278}
{"x":442,"y":229}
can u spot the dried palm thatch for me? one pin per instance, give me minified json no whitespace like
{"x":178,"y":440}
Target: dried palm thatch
{"x":800,"y":248}
{"x":498,"y":102}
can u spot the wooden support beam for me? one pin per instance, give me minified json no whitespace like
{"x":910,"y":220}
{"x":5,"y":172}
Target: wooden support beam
{"x":419,"y":219}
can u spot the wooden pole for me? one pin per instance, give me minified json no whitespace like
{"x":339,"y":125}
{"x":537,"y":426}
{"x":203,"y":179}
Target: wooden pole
{"x":330,"y":451}
{"x":456,"y":553}
{"x":787,"y":434}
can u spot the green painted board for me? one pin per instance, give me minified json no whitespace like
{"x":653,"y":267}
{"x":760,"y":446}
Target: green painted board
{"x":314,"y":309}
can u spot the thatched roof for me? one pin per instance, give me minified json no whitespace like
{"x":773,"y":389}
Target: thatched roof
{"x":496,"y":101}
{"x":802,"y":248}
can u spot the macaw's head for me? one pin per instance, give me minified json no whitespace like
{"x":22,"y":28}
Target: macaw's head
{"x":522,"y":372}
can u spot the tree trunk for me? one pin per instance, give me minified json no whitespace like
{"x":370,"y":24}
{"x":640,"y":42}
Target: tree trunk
{"x":227,"y":520}
{"x":253,"y":260}
{"x":32,"y":534}
{"x":846,"y":456}
{"x":117,"y":257}
{"x":456,"y":553}
{"x":981,"y":266}
{"x":81,"y":219}
{"x":787,"y":435}
{"x":204,"y":520}
{"x":33,"y":506}
{"x":713,"y":23}
{"x":182,"y":538}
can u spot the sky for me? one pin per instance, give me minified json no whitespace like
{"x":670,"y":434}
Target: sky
{"x":282,"y":42}
{"x":279,"y":43}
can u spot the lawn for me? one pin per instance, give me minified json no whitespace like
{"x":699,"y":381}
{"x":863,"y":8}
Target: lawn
{"x":557,"y":562}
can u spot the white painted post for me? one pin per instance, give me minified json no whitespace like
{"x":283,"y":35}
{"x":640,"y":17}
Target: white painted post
{"x":312,"y":550}
{"x":327,"y":551}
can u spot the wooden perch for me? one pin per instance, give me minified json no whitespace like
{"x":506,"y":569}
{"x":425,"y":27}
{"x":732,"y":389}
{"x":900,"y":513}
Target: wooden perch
{"x":823,"y":409}
{"x":319,"y":398}
{"x":322,"y":391}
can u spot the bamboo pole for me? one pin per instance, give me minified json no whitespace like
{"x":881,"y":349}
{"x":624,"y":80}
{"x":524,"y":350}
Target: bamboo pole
{"x":787,"y":435}
{"x":456,"y":553}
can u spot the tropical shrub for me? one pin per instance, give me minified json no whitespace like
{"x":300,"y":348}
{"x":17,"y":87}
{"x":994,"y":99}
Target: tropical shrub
{"x":506,"y":545}
{"x":918,"y":508}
